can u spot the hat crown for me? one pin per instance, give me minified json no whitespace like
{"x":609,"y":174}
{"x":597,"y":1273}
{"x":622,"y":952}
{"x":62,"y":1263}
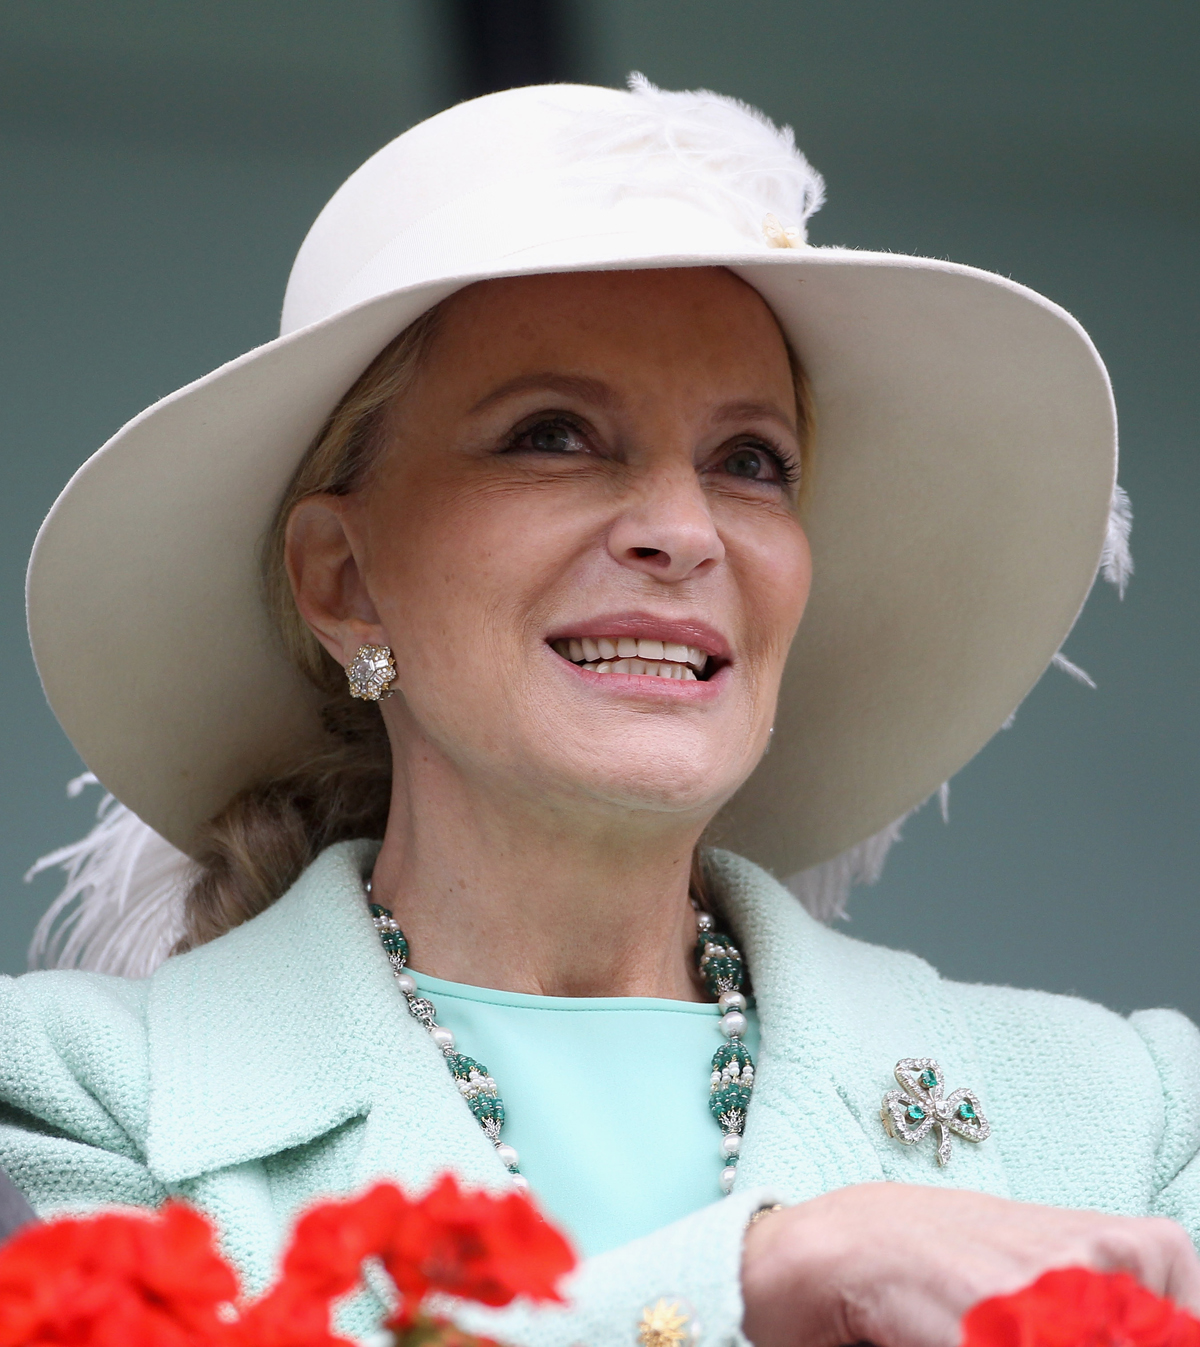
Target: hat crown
{"x":546,"y":168}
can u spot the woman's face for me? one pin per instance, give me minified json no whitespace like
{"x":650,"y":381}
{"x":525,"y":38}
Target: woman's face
{"x":581,"y":542}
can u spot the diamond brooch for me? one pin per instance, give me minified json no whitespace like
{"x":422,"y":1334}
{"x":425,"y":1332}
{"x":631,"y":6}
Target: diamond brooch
{"x":920,"y":1105}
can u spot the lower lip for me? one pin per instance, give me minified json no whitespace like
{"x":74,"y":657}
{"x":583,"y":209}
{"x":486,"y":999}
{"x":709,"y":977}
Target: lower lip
{"x":650,"y":686}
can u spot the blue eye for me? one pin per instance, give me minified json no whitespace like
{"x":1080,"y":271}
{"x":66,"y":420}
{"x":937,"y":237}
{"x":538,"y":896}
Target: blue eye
{"x":549,"y":437}
{"x":755,"y":464}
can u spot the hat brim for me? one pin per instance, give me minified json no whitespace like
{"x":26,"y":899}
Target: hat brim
{"x":965,"y":461}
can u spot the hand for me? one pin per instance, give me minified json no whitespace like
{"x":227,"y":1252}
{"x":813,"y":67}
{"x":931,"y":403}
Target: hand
{"x":898,"y":1265}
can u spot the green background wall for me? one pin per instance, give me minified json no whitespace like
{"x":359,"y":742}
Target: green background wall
{"x":160,"y":163}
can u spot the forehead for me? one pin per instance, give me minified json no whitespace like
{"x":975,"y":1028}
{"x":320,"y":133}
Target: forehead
{"x":681,"y":324}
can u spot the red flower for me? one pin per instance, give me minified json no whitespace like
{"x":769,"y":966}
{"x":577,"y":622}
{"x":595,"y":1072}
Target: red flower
{"x":283,"y":1318}
{"x":332,"y":1239}
{"x":477,"y":1247}
{"x":466,"y":1244}
{"x":135,"y":1280}
{"x":1073,"y":1307}
{"x":115,"y":1280}
{"x":323,"y":1262}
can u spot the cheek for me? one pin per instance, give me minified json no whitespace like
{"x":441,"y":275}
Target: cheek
{"x":470,"y":563}
{"x":775,"y":566}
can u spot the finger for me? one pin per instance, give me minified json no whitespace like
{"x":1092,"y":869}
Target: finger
{"x":1158,"y":1252}
{"x":1183,"y":1271}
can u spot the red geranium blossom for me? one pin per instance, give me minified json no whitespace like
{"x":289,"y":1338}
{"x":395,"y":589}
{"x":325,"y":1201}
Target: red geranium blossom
{"x":323,"y":1261}
{"x":137,"y":1280}
{"x":476,"y":1246}
{"x":467,"y":1244}
{"x":1073,"y":1307}
{"x":116,"y":1280}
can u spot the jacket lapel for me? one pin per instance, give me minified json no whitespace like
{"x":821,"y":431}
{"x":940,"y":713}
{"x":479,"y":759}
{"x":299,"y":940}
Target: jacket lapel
{"x":290,"y":1026}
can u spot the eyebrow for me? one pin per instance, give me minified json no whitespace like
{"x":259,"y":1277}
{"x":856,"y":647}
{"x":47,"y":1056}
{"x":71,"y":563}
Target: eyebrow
{"x":598,"y":392}
{"x":740,"y":411}
{"x":574,"y":385}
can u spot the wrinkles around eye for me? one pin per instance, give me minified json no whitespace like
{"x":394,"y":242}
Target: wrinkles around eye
{"x":557,"y":434}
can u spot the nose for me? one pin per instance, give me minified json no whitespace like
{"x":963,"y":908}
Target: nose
{"x":666,"y":530}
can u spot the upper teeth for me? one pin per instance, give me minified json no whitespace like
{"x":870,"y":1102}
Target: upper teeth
{"x":624,"y":654}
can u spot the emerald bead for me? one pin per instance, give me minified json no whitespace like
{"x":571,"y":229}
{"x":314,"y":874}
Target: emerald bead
{"x":461,"y":1066}
{"x":928,"y":1078}
{"x":916,"y":1112}
{"x":710,"y":940}
{"x":720,"y":963}
{"x":732,"y":1051}
{"x":722,"y":972}
{"x":377,"y":911}
{"x":487,"y":1108}
{"x":727,"y":1099}
{"x":966,"y":1110}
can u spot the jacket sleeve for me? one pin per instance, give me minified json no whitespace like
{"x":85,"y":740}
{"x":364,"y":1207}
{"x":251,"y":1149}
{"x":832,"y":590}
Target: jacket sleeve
{"x":73,"y":1089}
{"x":695,"y":1263}
{"x":1173,"y":1042}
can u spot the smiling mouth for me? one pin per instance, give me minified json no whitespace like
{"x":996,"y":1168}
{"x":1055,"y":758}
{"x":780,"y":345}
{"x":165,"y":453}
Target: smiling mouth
{"x":625,"y":655}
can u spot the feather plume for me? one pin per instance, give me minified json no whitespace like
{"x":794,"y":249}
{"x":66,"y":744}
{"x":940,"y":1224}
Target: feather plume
{"x":1072,"y":670}
{"x":824,"y":890}
{"x":943,"y":794}
{"x":704,"y":147}
{"x":1116,"y":561}
{"x":121,"y":908}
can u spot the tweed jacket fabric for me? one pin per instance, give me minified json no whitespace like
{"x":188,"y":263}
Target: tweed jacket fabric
{"x":279,"y":1063}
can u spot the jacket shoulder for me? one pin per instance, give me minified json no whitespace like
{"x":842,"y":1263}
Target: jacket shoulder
{"x":1104,"y":1107}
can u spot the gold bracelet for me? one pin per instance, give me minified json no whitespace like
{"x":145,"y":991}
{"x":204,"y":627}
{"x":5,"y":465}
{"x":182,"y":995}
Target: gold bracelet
{"x":763,"y":1211}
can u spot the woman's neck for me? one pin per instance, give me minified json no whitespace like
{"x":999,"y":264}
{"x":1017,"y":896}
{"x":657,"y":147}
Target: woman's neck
{"x":495,"y":890}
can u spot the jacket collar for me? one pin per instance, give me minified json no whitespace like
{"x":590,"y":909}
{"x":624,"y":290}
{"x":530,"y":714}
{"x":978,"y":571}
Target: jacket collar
{"x":287,"y":1027}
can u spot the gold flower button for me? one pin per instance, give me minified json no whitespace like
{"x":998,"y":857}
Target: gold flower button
{"x":664,"y":1324}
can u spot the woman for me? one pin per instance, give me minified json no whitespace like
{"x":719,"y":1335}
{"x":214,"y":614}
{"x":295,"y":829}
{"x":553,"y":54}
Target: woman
{"x":499,"y":555}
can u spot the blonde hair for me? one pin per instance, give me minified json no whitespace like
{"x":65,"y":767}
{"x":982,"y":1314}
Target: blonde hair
{"x":255,"y":849}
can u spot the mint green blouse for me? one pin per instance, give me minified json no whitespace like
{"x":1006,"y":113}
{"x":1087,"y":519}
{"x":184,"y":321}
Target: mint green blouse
{"x":605,"y":1098}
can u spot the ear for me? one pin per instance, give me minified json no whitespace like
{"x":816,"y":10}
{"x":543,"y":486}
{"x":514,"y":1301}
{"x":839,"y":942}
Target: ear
{"x":326,"y":581}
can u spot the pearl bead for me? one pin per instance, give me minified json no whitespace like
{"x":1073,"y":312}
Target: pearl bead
{"x":733,"y":1024}
{"x":442,"y":1037}
{"x":731,"y":1001}
{"x":731,"y":1143}
{"x":520,"y":1183}
{"x":728,"y":1174}
{"x":407,"y":983}
{"x":508,"y":1154}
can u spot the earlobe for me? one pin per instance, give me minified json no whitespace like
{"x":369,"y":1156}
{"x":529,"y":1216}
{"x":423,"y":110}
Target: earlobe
{"x":326,"y":579}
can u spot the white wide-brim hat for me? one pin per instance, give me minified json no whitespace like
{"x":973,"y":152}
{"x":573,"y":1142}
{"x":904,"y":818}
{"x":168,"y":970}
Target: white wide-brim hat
{"x":965,"y":465}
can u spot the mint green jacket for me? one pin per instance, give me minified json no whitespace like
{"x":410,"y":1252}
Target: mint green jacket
{"x":279,"y":1063}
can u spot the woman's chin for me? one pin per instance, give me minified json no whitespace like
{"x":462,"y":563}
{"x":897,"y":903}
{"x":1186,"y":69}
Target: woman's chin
{"x":650,"y":779}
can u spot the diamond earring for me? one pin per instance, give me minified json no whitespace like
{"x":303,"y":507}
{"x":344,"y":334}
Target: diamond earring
{"x":371,"y":673}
